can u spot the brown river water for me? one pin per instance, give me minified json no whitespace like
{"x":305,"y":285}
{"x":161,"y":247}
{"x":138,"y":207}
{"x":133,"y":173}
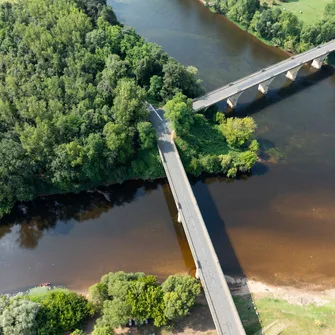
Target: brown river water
{"x":276,"y":226}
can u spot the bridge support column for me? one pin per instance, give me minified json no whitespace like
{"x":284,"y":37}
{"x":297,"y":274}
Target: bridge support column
{"x":179,"y":217}
{"x":264,"y":86}
{"x":317,"y":62}
{"x":292,"y":74}
{"x":197,"y":274}
{"x":232,"y":101}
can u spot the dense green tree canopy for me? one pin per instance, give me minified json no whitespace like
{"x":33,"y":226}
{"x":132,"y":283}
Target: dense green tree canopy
{"x":60,"y":311}
{"x":17,"y":316}
{"x":122,"y":296}
{"x":179,"y":295}
{"x":73,"y":84}
{"x":237,"y":131}
{"x":180,"y":113}
{"x":225,"y":146}
{"x":43,"y":311}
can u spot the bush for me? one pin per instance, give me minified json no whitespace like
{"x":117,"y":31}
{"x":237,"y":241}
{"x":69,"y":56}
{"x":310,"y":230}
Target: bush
{"x":238,"y":132}
{"x":97,"y":294}
{"x":179,"y":112}
{"x":102,"y":330}
{"x":18,"y":316}
{"x":179,"y":295}
{"x":61,"y":311}
{"x":78,"y":332}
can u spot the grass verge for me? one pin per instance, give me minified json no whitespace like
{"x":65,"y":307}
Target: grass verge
{"x":279,"y":316}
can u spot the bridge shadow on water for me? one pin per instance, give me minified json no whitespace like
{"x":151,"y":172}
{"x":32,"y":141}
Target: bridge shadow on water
{"x":276,"y":95}
{"x":227,"y":256}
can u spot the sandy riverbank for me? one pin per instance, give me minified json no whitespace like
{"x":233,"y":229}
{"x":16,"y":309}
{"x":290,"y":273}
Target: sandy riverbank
{"x":277,"y":309}
{"x":301,"y":297}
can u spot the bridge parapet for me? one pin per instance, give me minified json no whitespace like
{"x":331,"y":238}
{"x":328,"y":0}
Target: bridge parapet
{"x":209,"y":271}
{"x":264,"y":77}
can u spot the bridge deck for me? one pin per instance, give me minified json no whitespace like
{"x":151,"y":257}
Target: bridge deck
{"x":221,"y":304}
{"x":261,"y":76}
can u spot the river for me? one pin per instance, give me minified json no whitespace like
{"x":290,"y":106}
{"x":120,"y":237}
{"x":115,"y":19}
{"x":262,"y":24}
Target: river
{"x":275,"y":226}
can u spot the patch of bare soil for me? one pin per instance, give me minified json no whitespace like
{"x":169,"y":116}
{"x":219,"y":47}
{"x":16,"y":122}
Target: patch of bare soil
{"x":292,"y":295}
{"x":200,"y":322}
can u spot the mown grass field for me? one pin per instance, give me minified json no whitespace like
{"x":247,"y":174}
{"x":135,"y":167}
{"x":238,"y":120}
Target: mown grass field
{"x":287,"y":318}
{"x":312,"y":10}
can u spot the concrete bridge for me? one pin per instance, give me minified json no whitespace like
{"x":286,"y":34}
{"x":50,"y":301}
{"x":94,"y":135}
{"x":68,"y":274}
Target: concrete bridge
{"x":264,"y":77}
{"x":221,"y":304}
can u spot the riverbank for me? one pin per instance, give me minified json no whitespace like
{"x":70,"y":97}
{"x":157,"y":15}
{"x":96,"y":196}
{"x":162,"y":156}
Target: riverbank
{"x":266,"y":42}
{"x":275,"y":308}
{"x":286,"y":310}
{"x":291,"y":33}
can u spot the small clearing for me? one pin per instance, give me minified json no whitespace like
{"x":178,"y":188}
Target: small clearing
{"x":312,"y":10}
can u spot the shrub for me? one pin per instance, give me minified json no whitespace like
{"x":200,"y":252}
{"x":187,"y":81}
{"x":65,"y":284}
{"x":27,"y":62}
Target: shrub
{"x":78,"y":332}
{"x":102,"y":330}
{"x":179,"y":295}
{"x":61,"y":311}
{"x":18,"y":316}
{"x":238,"y":132}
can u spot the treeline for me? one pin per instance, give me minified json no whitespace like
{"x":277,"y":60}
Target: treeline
{"x":280,"y":27}
{"x":73,"y":85}
{"x":117,"y":298}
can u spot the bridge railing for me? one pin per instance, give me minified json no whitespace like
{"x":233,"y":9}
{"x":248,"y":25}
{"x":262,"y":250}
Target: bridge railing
{"x":222,"y":281}
{"x":294,"y":60}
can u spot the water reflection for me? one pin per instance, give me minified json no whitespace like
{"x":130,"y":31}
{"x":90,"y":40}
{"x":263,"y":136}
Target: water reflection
{"x":74,"y":239}
{"x":42,"y":214}
{"x":268,"y":217}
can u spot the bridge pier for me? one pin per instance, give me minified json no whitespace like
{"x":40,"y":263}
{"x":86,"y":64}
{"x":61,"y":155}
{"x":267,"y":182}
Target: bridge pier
{"x":232,"y":101}
{"x":317,"y":62}
{"x":292,"y":74}
{"x":179,"y":217}
{"x":264,"y":86}
{"x":197,"y":274}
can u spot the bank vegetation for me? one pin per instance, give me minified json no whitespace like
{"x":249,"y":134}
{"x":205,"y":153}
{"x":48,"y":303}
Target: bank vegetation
{"x":279,"y":27}
{"x":116,"y":299}
{"x":73,"y":89}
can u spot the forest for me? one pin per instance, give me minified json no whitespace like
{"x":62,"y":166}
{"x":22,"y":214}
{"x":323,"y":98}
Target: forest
{"x":73,"y":89}
{"x":72,"y":98}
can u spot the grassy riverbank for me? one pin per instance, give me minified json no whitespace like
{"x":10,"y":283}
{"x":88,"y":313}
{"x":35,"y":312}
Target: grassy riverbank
{"x":305,"y":313}
{"x":277,"y":25}
{"x":280,"y":317}
{"x":275,"y":316}
{"x":308,"y":11}
{"x":274,"y":310}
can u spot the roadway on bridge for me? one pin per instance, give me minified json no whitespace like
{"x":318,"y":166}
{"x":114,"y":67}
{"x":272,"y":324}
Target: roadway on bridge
{"x":261,"y":76}
{"x":225,"y":316}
